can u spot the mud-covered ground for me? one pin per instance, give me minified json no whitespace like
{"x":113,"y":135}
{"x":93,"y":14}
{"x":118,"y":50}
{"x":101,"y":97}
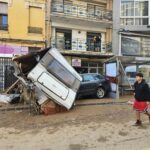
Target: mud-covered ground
{"x":103,"y":125}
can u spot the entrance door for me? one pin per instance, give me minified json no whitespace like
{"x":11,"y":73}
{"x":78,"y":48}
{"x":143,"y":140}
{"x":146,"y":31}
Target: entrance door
{"x":94,"y":42}
{"x":60,"y":42}
{"x":63,"y":39}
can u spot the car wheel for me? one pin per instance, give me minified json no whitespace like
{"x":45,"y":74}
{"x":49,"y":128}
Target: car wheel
{"x":100,"y":93}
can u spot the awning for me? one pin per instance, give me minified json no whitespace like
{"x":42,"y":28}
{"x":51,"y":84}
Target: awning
{"x":87,"y":54}
{"x":139,"y":34}
{"x":130,"y":60}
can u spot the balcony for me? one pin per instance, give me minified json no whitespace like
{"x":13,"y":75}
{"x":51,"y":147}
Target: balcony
{"x":81,"y":46}
{"x":4,"y":27}
{"x":36,"y":30}
{"x":63,"y":12}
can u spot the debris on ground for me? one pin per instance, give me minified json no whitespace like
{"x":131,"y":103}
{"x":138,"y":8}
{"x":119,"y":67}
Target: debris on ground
{"x":49,"y":107}
{"x":46,"y":82}
{"x":9,"y":98}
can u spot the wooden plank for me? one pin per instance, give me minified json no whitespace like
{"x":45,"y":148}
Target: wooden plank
{"x":11,"y":87}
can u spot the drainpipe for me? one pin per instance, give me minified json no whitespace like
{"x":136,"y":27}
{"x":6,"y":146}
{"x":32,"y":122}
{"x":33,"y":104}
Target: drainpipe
{"x":47,"y":23}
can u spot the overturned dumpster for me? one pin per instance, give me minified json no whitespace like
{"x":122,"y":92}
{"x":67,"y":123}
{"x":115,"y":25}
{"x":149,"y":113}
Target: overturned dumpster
{"x":49,"y":76}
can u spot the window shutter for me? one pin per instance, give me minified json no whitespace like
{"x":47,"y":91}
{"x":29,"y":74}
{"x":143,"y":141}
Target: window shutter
{"x":3,"y":8}
{"x":36,"y":17}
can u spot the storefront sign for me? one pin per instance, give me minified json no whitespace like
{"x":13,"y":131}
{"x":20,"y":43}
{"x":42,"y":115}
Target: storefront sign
{"x":76,"y":62}
{"x":10,"y":50}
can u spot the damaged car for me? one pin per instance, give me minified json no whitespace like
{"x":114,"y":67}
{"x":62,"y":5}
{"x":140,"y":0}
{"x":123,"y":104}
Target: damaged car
{"x":50,"y":74}
{"x":94,"y":84}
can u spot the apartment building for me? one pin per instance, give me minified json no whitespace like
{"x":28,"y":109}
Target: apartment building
{"x":22,"y":26}
{"x":82,"y":31}
{"x":131,"y":34}
{"x":131,"y":30}
{"x":22,"y":30}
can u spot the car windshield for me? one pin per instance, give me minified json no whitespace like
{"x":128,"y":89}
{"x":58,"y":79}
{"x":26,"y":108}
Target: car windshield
{"x":88,"y":77}
{"x":99,"y":77}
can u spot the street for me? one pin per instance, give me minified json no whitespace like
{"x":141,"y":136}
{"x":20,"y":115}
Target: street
{"x":100,"y":125}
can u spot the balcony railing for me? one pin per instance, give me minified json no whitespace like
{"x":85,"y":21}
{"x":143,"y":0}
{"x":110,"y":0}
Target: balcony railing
{"x":4,"y":27}
{"x":82,"y":11}
{"x":81,"y":45}
{"x":36,"y":30}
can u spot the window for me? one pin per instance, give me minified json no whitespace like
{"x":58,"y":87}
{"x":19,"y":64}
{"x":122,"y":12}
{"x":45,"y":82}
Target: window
{"x":58,"y":6}
{"x":127,"y":21}
{"x":138,"y":46}
{"x":61,"y":72}
{"x":127,"y":8}
{"x":98,"y":12}
{"x":63,"y":39}
{"x":141,"y":8}
{"x":94,"y":42}
{"x":131,"y":71}
{"x":88,"y":77}
{"x":34,"y":49}
{"x":141,"y":21}
{"x":36,"y":14}
{"x":3,"y":16}
{"x":134,"y":12}
{"x":90,"y":67}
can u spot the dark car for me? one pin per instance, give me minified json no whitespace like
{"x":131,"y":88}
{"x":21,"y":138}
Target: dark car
{"x":93,"y":84}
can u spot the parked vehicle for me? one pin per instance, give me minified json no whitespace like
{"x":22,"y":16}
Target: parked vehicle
{"x":51,"y":74}
{"x":93,"y":84}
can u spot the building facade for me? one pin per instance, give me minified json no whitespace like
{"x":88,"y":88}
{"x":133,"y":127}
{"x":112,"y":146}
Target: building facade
{"x":22,"y":30}
{"x":131,"y":30}
{"x":131,"y":35}
{"x":22,"y":26}
{"x":82,"y":31}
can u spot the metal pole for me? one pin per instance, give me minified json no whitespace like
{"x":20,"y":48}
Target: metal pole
{"x":117,"y":88}
{"x":125,"y":75}
{"x":119,"y":44}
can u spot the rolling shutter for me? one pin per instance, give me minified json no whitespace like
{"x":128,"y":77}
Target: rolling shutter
{"x":3,"y":8}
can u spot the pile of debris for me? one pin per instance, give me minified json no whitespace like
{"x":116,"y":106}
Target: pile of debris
{"x":46,"y":81}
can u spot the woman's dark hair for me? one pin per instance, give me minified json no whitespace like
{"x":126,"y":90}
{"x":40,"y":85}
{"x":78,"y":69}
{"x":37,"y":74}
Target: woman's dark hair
{"x":139,"y":75}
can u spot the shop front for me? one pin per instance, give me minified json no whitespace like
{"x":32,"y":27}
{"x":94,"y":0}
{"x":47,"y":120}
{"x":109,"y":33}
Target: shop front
{"x":87,"y":63}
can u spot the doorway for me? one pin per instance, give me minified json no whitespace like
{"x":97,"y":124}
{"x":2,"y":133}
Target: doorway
{"x":63,"y":39}
{"x":94,"y":42}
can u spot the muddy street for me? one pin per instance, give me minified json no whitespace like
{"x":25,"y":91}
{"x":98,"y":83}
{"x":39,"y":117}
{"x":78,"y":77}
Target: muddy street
{"x":91,"y":125}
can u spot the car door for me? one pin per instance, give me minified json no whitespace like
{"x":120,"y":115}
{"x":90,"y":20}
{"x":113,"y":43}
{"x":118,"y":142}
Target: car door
{"x":88,"y":85}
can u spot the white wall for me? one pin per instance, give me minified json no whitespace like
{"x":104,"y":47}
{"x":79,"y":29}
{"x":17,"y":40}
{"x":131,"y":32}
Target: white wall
{"x":79,"y":40}
{"x":103,"y":42}
{"x":149,"y":10}
{"x":53,"y":36}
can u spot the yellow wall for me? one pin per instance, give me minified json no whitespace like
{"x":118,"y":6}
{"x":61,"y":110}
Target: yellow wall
{"x":18,"y":20}
{"x":109,"y":4}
